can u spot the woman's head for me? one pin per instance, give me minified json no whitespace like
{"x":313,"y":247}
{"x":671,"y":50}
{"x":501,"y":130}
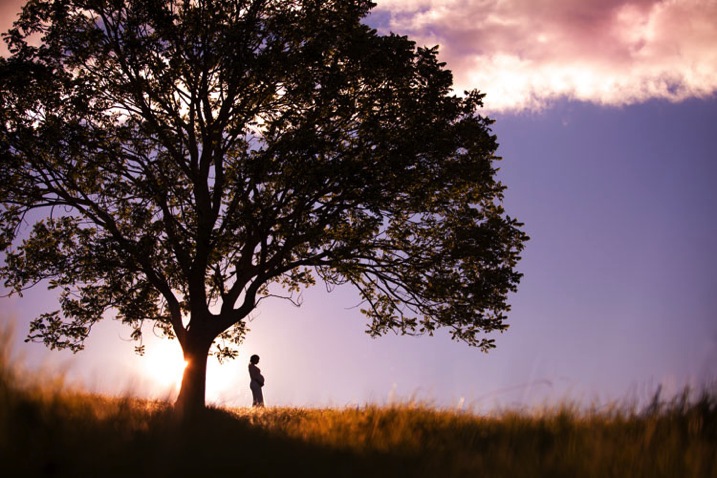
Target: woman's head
{"x":254,"y":359}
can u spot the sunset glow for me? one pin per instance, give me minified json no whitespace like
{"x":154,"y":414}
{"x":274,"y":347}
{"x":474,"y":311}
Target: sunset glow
{"x":164,"y":364}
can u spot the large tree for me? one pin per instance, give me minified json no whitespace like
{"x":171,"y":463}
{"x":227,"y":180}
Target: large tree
{"x":179,"y":161}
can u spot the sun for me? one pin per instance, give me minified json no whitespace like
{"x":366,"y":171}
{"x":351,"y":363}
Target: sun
{"x":164,"y":364}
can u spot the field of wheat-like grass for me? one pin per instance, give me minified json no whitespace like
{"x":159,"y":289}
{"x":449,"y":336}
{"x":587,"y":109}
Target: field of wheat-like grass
{"x":47,"y":429}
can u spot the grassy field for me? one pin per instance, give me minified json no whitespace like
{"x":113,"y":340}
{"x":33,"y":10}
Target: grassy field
{"x":48,"y":430}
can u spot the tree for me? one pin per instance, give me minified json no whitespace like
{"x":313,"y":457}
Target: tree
{"x":181,"y":161}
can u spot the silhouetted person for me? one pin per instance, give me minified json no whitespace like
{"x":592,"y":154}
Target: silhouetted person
{"x":257,"y":381}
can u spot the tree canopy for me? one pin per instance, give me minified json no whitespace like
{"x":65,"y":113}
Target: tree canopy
{"x":180,"y":161}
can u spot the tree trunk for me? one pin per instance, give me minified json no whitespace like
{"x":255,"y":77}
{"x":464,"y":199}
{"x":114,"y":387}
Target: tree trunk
{"x":194,"y":379}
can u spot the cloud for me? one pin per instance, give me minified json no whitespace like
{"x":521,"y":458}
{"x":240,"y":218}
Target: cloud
{"x":526,"y":53}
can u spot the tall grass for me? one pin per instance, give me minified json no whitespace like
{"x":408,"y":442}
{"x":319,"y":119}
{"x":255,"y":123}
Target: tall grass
{"x":47,"y":429}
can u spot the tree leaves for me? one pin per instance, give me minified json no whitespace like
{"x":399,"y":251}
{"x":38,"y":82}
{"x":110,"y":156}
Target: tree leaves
{"x":195,"y":160}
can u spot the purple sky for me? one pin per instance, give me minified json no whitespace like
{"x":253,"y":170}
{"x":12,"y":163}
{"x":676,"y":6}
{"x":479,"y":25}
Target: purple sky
{"x":606,"y":115}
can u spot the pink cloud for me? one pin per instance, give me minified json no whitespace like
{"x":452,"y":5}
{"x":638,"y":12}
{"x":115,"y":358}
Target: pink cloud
{"x":526,"y":53}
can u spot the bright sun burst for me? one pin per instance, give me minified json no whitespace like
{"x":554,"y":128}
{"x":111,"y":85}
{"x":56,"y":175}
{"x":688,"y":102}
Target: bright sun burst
{"x":164,"y":364}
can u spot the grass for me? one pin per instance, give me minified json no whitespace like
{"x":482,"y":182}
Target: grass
{"x":48,"y":429}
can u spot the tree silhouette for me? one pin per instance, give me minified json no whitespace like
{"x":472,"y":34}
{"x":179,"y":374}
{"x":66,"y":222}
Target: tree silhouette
{"x":180,"y":161}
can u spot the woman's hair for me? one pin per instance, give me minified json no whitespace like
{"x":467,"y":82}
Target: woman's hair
{"x":254,"y":359}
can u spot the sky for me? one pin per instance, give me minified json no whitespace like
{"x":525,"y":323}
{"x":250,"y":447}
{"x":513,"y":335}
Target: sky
{"x":606,"y":115}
